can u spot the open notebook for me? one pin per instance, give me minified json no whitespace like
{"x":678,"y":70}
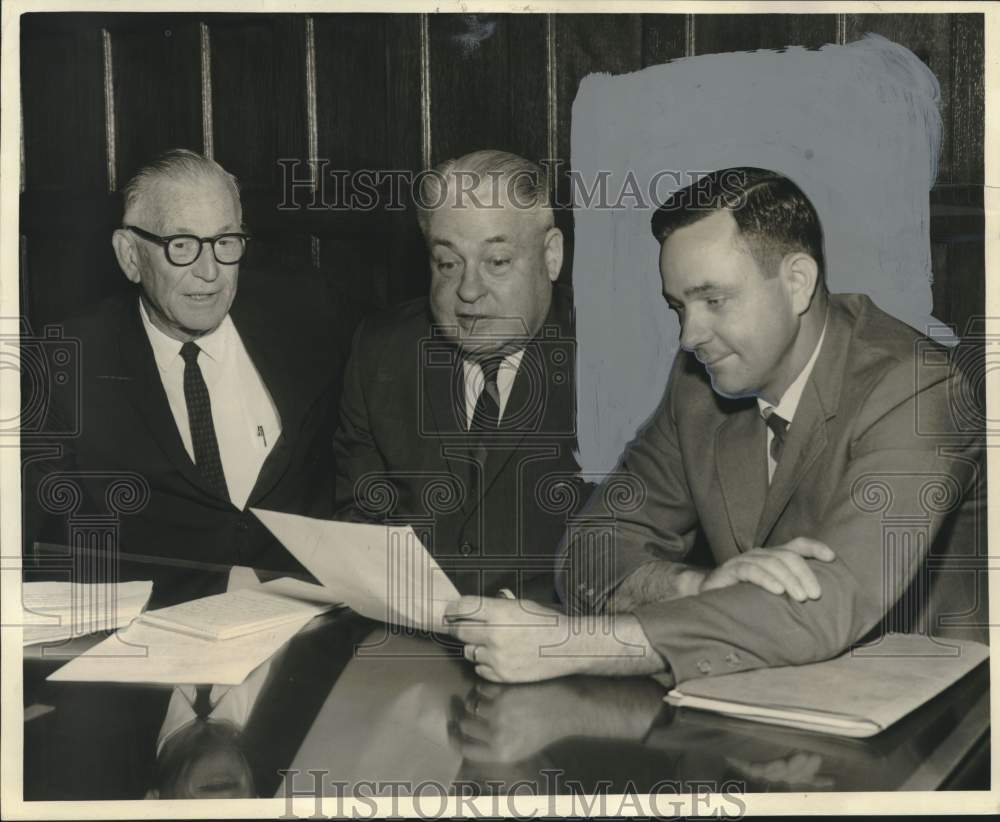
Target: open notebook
{"x":860,"y":693}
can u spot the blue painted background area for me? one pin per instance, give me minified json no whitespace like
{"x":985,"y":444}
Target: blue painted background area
{"x":857,"y":127}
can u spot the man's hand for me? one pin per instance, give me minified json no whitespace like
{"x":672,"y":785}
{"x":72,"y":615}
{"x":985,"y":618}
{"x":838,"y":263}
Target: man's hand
{"x":511,"y":640}
{"x":780,"y":570}
{"x":522,"y":641}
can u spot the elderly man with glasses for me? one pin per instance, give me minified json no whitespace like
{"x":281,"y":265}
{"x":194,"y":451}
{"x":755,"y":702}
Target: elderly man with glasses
{"x":204,"y":403}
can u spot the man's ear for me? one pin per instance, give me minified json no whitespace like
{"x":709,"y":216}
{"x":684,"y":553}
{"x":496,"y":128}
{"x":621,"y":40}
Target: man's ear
{"x":127,"y":254}
{"x":553,"y":253}
{"x":801,"y":274}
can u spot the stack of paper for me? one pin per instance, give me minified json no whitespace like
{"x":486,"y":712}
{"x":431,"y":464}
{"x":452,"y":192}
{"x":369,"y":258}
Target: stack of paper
{"x":234,"y":613}
{"x":215,"y":640}
{"x":57,"y":611}
{"x":860,"y":693}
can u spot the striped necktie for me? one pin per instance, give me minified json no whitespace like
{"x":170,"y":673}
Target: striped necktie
{"x":199,"y":407}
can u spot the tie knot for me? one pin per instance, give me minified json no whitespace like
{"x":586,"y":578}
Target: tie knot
{"x":190,"y":352}
{"x":777,"y":423}
{"x":203,"y":693}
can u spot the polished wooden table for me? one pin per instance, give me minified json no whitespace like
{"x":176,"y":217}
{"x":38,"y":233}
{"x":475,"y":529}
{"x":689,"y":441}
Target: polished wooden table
{"x":366,"y":705}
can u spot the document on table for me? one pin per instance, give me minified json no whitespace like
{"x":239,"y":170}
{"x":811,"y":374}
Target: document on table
{"x":239,"y":612}
{"x":381,"y":571}
{"x":859,"y":693}
{"x":56,"y":611}
{"x":147,"y":653}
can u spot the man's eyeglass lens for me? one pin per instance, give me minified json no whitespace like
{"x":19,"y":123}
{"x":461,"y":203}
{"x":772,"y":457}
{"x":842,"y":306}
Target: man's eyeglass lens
{"x":228,"y":248}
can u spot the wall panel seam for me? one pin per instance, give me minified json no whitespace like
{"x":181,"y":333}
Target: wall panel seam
{"x":207,"y":125}
{"x":312,"y":132}
{"x":425,"y":92}
{"x":110,"y":146}
{"x":551,"y":86}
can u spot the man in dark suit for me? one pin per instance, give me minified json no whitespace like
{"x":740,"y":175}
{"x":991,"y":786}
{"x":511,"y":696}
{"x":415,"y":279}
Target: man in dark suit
{"x":809,"y":439}
{"x":194,"y":404}
{"x":457,"y":415}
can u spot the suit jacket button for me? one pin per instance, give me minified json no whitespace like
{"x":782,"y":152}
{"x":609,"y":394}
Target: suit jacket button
{"x":705,"y":666}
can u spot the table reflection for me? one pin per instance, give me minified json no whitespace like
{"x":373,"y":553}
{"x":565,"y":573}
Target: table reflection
{"x":384,"y":711}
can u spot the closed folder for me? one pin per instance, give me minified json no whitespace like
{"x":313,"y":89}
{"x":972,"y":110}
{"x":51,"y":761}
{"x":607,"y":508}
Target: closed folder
{"x":859,"y":694}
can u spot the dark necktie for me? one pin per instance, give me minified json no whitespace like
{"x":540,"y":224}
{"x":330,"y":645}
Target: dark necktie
{"x":203,"y":701}
{"x":199,"y":406}
{"x":778,"y":426}
{"x":486,"y":417}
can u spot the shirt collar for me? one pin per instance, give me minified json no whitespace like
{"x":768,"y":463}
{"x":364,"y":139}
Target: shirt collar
{"x":789,"y":402}
{"x":234,"y":705}
{"x":166,"y":349}
{"x":508,"y":366}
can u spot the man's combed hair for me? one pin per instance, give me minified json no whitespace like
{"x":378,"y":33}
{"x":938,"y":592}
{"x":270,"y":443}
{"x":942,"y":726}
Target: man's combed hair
{"x":461,"y":181}
{"x":773,"y":214}
{"x":176,"y":165}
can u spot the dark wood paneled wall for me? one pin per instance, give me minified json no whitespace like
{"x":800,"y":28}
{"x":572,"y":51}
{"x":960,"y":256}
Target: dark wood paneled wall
{"x":103,"y":93}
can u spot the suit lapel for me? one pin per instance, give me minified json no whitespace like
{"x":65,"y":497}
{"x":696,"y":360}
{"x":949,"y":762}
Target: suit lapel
{"x":532,"y":405}
{"x":288,"y":374}
{"x":282,"y":382}
{"x":444,"y":403}
{"x":804,"y":442}
{"x":807,"y":435}
{"x":147,"y":394}
{"x":525,"y":405}
{"x":742,"y":465}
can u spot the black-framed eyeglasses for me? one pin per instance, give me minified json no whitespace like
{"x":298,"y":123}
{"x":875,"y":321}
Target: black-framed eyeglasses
{"x":184,"y":249}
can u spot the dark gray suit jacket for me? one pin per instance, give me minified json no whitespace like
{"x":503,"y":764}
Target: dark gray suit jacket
{"x":493,"y":516}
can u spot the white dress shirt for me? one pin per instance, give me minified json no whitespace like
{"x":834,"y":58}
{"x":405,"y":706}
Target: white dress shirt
{"x":789,"y":402}
{"x":244,"y":415}
{"x":475,"y":381}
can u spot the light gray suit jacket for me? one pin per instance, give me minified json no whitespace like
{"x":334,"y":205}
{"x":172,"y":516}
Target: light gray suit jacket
{"x":883,"y":462}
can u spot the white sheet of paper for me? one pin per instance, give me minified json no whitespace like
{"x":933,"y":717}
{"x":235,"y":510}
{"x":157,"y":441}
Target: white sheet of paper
{"x":299,"y":589}
{"x":176,"y":659}
{"x":381,"y":571}
{"x":54,"y":611}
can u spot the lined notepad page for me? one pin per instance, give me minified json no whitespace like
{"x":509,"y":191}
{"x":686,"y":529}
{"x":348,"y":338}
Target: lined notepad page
{"x":232,"y":614}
